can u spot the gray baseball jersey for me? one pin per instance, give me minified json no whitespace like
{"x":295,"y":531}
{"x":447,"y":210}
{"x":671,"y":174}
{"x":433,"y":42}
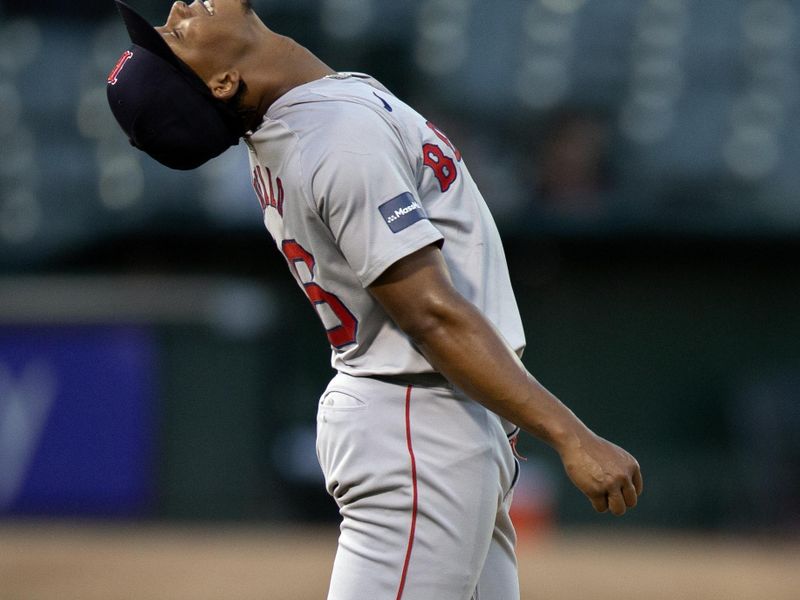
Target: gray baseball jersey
{"x":351,"y":180}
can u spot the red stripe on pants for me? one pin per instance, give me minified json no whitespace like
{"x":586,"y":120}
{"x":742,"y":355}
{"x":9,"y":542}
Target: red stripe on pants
{"x":414,"y":488}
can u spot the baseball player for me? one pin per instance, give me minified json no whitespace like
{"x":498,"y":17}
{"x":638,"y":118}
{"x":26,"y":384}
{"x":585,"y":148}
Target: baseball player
{"x":384,"y":230}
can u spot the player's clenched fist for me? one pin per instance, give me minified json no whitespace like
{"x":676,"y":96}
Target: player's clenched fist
{"x":607,"y":474}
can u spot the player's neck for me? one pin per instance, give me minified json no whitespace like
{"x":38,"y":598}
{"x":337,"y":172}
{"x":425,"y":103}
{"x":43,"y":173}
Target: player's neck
{"x":280,"y":65}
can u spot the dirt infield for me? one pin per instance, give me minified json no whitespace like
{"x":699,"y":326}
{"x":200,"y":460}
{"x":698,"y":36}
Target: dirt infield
{"x":56,"y":561}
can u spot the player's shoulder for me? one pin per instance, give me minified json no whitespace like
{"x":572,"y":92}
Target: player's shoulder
{"x":332,"y":122}
{"x":348,"y":110}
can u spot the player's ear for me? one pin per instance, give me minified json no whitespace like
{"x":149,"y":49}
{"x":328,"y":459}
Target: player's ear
{"x":225,"y":85}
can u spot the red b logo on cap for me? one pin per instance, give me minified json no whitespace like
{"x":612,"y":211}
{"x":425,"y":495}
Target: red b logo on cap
{"x":112,"y":77}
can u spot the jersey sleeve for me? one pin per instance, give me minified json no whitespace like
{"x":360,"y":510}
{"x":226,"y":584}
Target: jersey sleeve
{"x":365,"y":191}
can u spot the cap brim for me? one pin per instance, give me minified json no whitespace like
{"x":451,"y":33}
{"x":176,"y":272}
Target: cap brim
{"x":143,"y":34}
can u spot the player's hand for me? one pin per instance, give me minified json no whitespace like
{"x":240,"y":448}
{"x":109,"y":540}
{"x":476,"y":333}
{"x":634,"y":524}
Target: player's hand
{"x":607,"y":474}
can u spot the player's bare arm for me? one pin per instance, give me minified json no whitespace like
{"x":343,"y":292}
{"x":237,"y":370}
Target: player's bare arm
{"x":464,"y":346}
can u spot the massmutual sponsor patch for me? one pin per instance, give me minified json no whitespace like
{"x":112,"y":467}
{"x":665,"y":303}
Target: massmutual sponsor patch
{"x":402,"y":211}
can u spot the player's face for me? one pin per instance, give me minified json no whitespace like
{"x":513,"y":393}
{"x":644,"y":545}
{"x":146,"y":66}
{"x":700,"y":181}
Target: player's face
{"x":207,"y":35}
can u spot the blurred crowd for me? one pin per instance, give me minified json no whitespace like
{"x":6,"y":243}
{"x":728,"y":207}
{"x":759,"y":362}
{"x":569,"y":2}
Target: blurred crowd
{"x":575,"y":115}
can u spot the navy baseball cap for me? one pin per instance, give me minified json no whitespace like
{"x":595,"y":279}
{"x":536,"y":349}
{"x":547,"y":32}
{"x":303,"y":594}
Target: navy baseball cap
{"x":163,"y":106}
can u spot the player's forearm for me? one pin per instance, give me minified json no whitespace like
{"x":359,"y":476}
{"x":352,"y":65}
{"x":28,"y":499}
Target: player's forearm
{"x":461,"y":344}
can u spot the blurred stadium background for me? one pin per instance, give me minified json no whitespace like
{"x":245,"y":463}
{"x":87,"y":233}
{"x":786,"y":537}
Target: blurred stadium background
{"x":158,"y":384}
